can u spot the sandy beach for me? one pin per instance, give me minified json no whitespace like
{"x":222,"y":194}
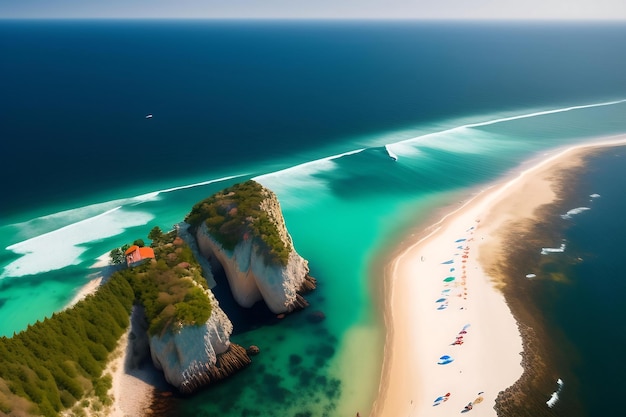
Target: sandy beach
{"x":451,"y":337}
{"x":133,"y":385}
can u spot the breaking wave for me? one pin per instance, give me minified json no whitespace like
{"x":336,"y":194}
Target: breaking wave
{"x":554,"y":398}
{"x":63,"y":247}
{"x":574,"y":212}
{"x":58,"y":240}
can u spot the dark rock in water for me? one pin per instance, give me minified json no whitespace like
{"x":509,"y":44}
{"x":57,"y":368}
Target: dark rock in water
{"x":253,"y":350}
{"x":229,"y":362}
{"x":298,"y":304}
{"x":316,"y":317}
{"x":308,"y":285}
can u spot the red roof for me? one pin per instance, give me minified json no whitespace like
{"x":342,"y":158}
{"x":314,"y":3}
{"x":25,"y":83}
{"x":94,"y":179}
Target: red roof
{"x":146,"y":252}
{"x":131,"y":249}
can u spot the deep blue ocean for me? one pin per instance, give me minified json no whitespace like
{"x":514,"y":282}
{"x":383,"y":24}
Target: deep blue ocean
{"x":313,"y":110}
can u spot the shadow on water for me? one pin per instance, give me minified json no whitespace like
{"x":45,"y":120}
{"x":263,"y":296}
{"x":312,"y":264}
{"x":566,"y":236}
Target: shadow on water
{"x":243,"y":319}
{"x":290,"y":376}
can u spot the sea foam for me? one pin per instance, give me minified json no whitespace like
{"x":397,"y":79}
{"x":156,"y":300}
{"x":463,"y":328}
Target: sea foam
{"x":475,"y":141}
{"x":301,"y":176}
{"x":554,"y":398}
{"x":574,"y":212}
{"x":560,"y":249}
{"x":63,"y":247}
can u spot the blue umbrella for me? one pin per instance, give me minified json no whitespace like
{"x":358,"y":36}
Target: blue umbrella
{"x":441,"y":300}
{"x":444,"y":360}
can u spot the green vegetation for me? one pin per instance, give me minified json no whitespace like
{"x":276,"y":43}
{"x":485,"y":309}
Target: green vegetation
{"x":52,"y":364}
{"x":236,"y":212}
{"x":117,"y":256}
{"x":172,"y":289}
{"x":56,"y":362}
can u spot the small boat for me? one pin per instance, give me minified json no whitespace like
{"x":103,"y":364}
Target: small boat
{"x":149,"y":116}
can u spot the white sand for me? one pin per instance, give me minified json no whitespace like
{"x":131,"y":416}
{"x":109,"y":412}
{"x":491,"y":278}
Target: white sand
{"x":489,"y":359}
{"x":104,"y":271}
{"x":132,"y":394}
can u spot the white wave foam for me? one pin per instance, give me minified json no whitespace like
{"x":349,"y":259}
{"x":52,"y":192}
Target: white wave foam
{"x":574,"y":212}
{"x":300,"y":177}
{"x":545,"y":112}
{"x":465,"y":134}
{"x":545,"y":251}
{"x":554,"y":398}
{"x":391,"y":154}
{"x":44,"y":224}
{"x":594,"y":195}
{"x":200,"y":184}
{"x":404,"y":149}
{"x":64,"y":246}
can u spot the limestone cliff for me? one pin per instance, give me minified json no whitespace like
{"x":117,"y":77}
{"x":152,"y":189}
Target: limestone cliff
{"x":254,"y":247}
{"x":194,"y":356}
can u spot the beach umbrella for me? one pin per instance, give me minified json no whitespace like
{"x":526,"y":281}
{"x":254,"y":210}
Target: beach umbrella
{"x":441,"y":300}
{"x":459,"y":240}
{"x":448,"y":279}
{"x":444,"y":360}
{"x":448,"y":262}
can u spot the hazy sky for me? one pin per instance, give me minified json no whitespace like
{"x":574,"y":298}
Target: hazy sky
{"x":411,"y":9}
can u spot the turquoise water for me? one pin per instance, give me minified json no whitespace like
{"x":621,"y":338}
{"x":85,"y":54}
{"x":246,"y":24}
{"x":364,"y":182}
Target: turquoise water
{"x":305,"y":115}
{"x":341,"y":213}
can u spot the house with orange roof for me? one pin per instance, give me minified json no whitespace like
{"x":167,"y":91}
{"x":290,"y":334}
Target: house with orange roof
{"x":136,"y":254}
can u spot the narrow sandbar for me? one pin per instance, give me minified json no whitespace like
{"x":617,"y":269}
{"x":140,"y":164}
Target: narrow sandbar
{"x":450,"y":332}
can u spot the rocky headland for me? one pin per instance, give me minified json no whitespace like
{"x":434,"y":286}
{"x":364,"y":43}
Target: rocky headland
{"x":243,"y":228}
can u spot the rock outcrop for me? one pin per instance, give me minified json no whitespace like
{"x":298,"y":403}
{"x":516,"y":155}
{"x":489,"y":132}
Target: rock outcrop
{"x":195,"y":356}
{"x":253,"y":271}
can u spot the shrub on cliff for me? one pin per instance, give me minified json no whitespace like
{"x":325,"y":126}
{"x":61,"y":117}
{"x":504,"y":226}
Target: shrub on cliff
{"x":171,"y":289}
{"x":235,"y":212}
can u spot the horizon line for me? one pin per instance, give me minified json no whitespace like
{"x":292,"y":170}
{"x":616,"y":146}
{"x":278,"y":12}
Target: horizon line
{"x":332,"y":19}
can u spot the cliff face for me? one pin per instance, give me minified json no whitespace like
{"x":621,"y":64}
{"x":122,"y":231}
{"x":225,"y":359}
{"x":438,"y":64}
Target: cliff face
{"x":253,"y":274}
{"x":195,"y":356}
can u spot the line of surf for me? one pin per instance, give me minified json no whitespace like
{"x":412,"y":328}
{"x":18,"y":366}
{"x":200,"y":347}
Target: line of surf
{"x":199,"y":184}
{"x":316,"y":165}
{"x":65,"y":246}
{"x":516,"y":117}
{"x":15,"y":246}
{"x":56,"y":221}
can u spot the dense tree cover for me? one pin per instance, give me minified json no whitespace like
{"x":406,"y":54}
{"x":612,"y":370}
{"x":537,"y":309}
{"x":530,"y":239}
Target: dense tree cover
{"x":236,"y":212}
{"x":53,"y":363}
{"x":172,"y":288}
